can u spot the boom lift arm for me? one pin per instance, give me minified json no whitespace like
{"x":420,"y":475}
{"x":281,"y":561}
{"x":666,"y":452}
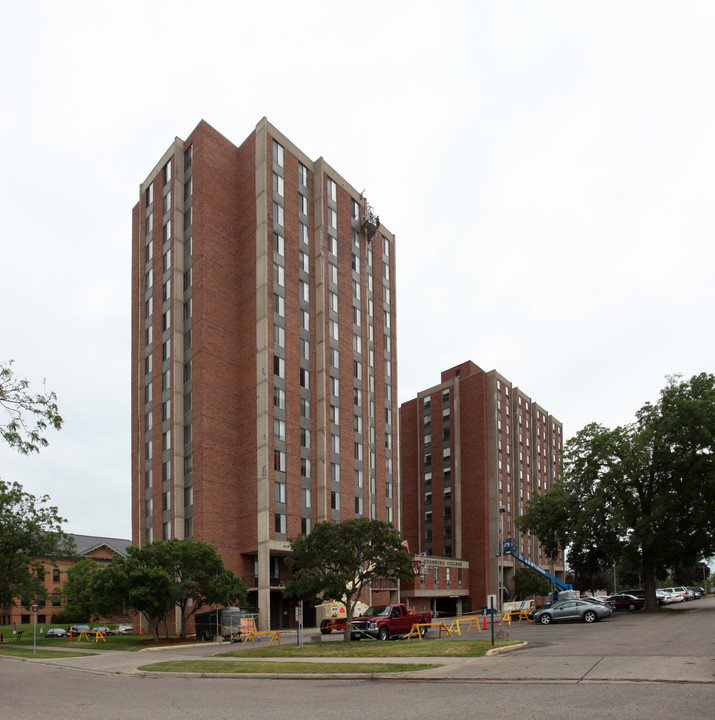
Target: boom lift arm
{"x":508,"y":548}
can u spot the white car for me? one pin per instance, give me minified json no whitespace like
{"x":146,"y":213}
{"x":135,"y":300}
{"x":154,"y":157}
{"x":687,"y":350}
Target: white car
{"x":122,"y":630}
{"x":665,"y":598}
{"x":679,"y":592}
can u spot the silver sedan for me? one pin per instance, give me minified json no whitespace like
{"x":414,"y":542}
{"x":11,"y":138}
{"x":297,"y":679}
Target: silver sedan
{"x":564,"y":610}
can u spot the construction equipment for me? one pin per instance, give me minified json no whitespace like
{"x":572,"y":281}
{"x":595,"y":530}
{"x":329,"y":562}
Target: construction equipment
{"x":509,"y":548}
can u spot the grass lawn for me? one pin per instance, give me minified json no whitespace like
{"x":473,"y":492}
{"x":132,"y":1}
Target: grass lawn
{"x":446,"y":647}
{"x":287,"y":667}
{"x":15,"y":650}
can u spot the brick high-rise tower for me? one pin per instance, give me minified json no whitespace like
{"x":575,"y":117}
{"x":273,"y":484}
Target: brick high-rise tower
{"x":473,"y":451}
{"x":264,"y":382}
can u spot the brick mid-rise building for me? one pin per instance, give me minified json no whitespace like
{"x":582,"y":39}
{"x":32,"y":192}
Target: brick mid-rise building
{"x":264,"y":383}
{"x":473,"y":451}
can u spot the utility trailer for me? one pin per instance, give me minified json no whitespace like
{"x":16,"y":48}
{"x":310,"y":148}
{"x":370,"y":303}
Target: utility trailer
{"x":224,"y":623}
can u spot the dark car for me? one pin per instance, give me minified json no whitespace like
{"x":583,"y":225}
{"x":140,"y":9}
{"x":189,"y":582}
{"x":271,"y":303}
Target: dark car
{"x":56,"y":632}
{"x":636,"y":593}
{"x":623,"y":601}
{"x":565,"y":610}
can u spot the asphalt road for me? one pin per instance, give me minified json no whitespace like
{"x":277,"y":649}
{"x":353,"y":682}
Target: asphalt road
{"x":632,"y":666}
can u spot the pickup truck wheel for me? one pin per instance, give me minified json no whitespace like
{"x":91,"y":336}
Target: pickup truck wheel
{"x":423,"y":631}
{"x":325,"y":628}
{"x":383,"y":633}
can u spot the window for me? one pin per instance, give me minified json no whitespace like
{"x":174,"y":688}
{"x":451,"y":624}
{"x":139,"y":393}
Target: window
{"x":166,"y":320}
{"x":149,"y":195}
{"x":279,"y":460}
{"x":303,"y":204}
{"x":166,"y":349}
{"x":335,"y":415}
{"x":279,"y":305}
{"x":332,"y":243}
{"x":166,"y":440}
{"x":356,"y":263}
{"x":279,"y":398}
{"x":279,"y":275}
{"x":304,"y":437}
{"x":167,"y":173}
{"x":279,"y":336}
{"x":278,"y":215}
{"x":357,"y":424}
{"x":166,"y":261}
{"x":279,"y":366}
{"x":279,"y":429}
{"x":304,"y":290}
{"x":147,"y":364}
{"x":303,"y":233}
{"x":304,"y":261}
{"x":166,"y":471}
{"x":166,"y":410}
{"x":335,"y":357}
{"x":305,"y":467}
{"x":166,"y":379}
{"x":166,"y":230}
{"x":305,"y":408}
{"x":333,"y":273}
{"x":333,"y":301}
{"x":278,"y":154}
{"x":356,"y":289}
{"x":279,"y":244}
{"x":188,"y":309}
{"x":334,"y":386}
{"x":332,"y":190}
{"x":335,"y":472}
{"x":333,"y":329}
{"x":302,"y":174}
{"x":335,"y":443}
{"x":306,"y":497}
{"x":166,"y":290}
{"x":334,"y":500}
{"x":305,"y":319}
{"x":279,"y":492}
{"x":358,"y":451}
{"x":278,"y":185}
{"x":280,"y":523}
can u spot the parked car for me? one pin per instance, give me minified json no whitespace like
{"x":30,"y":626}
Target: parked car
{"x":56,"y":632}
{"x":626,"y":602}
{"x":679,"y":591}
{"x":665,"y":598}
{"x":102,"y":629}
{"x":77,"y":629}
{"x":122,"y":630}
{"x":697,"y":591}
{"x":593,"y":599}
{"x":564,"y":610}
{"x":639,"y":592}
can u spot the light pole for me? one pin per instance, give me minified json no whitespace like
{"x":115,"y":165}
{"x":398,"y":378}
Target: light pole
{"x":502,"y":510}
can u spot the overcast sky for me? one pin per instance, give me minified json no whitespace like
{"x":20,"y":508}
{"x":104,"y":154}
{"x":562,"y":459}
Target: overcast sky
{"x":547,"y":168}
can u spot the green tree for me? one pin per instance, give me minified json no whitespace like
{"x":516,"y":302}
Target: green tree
{"x":136,"y":580}
{"x":83,"y":600}
{"x":337,"y":560}
{"x":528,"y":582}
{"x":642,"y":494}
{"x":19,"y":403}
{"x":156,"y":578}
{"x":199,"y":576}
{"x":30,"y":531}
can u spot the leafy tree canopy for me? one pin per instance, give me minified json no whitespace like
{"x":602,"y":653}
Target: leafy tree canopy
{"x":30,"y":530}
{"x":337,"y":560}
{"x":155,"y":578}
{"x":642,"y":494}
{"x":528,"y":582}
{"x":28,"y":415}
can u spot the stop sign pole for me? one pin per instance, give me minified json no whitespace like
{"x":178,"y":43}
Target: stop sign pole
{"x":34,"y":633}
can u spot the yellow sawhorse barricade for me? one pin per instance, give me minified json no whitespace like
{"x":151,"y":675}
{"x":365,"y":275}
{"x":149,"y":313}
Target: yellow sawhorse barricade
{"x":475,"y":621}
{"x":252,"y":636}
{"x":415,"y":631}
{"x":85,"y":634}
{"x":517,"y":611}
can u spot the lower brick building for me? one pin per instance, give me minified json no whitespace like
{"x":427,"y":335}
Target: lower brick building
{"x":54,"y":574}
{"x":473,"y":450}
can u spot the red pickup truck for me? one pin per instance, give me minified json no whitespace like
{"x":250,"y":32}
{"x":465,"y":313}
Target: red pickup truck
{"x":386,"y":621}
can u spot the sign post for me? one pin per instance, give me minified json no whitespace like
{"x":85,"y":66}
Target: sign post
{"x":34,"y":633}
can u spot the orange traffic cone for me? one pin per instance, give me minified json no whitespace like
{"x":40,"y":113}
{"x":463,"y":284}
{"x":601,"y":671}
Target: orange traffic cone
{"x":485,"y":621}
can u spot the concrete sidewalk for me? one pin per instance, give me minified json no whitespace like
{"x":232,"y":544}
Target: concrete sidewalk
{"x":519,"y":665}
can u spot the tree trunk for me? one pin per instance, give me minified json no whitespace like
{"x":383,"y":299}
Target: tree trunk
{"x":651,"y":602}
{"x":347,"y":633}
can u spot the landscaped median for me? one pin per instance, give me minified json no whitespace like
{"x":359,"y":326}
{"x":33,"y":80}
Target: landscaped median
{"x":292,"y":659}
